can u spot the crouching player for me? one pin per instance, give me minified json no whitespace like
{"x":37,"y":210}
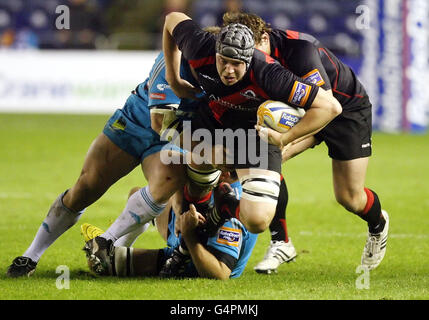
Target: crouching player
{"x":221,"y":256}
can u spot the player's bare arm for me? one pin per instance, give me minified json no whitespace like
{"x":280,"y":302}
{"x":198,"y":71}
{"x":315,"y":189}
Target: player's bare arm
{"x":181,"y":87}
{"x":207,"y":264}
{"x":322,"y":111}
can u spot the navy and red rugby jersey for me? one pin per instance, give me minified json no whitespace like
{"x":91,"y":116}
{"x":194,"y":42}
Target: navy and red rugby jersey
{"x":306,"y":57}
{"x":236,"y":106}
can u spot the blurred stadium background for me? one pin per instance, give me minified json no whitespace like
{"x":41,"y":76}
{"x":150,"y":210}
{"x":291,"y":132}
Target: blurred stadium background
{"x":110,"y":45}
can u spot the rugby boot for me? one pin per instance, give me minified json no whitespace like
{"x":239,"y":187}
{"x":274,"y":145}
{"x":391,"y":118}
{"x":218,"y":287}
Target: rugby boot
{"x":21,"y":266}
{"x":277,"y":253}
{"x":375,"y":247}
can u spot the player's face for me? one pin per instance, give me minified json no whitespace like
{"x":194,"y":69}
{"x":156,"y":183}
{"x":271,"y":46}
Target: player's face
{"x":230,"y":70}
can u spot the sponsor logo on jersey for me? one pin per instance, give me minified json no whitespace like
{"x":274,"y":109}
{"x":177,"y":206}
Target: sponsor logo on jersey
{"x":299,"y":94}
{"x":119,"y":124}
{"x":162,"y":86}
{"x":229,"y":236}
{"x":314,"y":77}
{"x":288,"y":120}
{"x":157,"y":96}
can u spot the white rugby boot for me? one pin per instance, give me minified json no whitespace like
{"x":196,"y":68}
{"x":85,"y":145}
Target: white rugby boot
{"x":278,"y":252}
{"x":375,"y":247}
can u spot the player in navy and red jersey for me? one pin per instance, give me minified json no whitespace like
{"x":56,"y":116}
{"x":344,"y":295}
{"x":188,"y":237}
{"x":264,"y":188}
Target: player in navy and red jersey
{"x":237,"y":79}
{"x":348,"y":136}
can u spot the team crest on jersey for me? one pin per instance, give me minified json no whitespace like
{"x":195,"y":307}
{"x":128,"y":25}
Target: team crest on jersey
{"x":119,"y":124}
{"x":157,"y":96}
{"x":249,"y":94}
{"x":229,"y":236}
{"x":299,"y":94}
{"x":314,"y":77}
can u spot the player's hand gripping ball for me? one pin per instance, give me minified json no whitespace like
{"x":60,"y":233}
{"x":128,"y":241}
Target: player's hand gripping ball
{"x":278,"y":116}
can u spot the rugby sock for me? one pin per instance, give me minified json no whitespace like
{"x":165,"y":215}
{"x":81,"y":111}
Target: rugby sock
{"x":226,"y":206}
{"x":140,"y":209}
{"x":128,"y":239}
{"x":58,"y":220}
{"x":122,"y":262}
{"x":278,"y":226}
{"x":372,"y":212}
{"x":201,"y":204}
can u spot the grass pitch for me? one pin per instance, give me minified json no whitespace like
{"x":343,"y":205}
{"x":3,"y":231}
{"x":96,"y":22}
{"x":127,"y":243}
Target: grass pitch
{"x":41,"y":156}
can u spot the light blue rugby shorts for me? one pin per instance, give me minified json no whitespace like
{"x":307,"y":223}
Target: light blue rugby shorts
{"x":129,"y":128}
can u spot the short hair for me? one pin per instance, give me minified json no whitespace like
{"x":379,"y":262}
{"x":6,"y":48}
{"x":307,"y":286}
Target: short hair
{"x":254,"y":22}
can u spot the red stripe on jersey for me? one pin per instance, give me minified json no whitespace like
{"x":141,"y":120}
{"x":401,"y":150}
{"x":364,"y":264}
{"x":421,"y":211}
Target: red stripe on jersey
{"x":292,"y":34}
{"x":334,"y":89}
{"x":258,"y":90}
{"x":268,"y":58}
{"x":217,"y":109}
{"x":219,"y":106}
{"x":202,"y":62}
{"x":279,"y":57}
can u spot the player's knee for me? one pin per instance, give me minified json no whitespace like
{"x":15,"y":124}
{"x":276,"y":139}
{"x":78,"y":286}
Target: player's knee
{"x":165,"y":186}
{"x":256,"y":221}
{"x":259,"y":201}
{"x":257,"y":226}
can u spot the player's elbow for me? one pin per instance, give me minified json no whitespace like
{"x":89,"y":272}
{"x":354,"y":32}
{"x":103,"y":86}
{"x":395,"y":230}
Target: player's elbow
{"x":173,"y":18}
{"x":335,"y":107}
{"x":219,"y":271}
{"x":326,"y":101}
{"x":332,"y":107}
{"x":223,"y":275}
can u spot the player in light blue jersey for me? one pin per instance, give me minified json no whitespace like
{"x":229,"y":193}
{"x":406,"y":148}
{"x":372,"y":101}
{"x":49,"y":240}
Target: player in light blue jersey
{"x":127,"y":141}
{"x":230,"y":247}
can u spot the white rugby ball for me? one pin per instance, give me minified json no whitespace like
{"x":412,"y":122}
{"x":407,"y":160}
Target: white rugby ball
{"x":278,"y":116}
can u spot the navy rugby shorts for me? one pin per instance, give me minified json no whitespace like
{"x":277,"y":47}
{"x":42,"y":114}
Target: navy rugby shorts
{"x":348,"y":136}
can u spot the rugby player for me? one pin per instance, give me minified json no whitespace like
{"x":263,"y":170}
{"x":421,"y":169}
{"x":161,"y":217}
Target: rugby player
{"x":127,"y":140}
{"x":348,"y":136}
{"x":221,"y":256}
{"x":237,"y":79}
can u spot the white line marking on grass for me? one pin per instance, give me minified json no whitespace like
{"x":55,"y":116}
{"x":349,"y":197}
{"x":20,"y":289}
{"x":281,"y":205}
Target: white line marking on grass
{"x":359,"y":235}
{"x":15,"y":195}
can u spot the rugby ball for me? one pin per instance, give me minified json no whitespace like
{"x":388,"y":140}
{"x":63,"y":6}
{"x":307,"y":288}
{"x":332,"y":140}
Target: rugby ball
{"x":278,"y":116}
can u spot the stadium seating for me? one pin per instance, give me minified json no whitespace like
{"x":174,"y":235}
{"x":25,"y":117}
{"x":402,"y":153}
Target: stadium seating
{"x":32,"y":22}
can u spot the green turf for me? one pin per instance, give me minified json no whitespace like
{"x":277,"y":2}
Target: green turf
{"x":41,"y":156}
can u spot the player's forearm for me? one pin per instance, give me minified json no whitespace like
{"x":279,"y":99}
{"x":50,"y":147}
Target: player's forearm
{"x":171,"y":51}
{"x":207,"y":265}
{"x":322,"y":111}
{"x":172,"y":57}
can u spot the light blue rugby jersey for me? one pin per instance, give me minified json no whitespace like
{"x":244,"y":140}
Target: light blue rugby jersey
{"x":156,"y":90}
{"x":232,"y":238}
